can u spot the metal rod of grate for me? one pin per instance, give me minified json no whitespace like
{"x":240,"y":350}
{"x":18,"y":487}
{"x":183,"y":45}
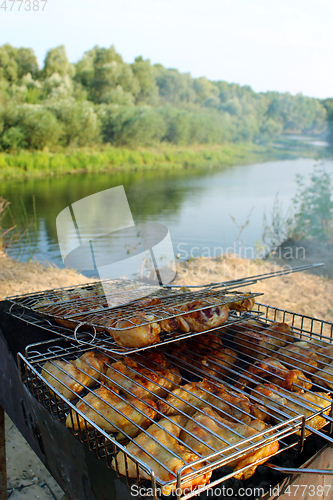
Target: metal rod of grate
{"x":102,"y":339}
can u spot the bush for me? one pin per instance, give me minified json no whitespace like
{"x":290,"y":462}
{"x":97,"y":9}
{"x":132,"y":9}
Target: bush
{"x":29,"y":126}
{"x":314,"y":206}
{"x":80,"y":125}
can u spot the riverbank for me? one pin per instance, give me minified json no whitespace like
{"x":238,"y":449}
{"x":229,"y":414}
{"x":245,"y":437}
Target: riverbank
{"x":107,"y":158}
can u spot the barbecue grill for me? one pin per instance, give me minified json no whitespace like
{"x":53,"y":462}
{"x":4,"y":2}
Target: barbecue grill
{"x":41,"y":411}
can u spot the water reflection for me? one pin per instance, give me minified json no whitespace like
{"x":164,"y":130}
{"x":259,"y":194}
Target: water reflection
{"x":203,"y":209}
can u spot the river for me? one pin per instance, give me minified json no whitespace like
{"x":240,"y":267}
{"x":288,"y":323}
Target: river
{"x":205,"y":210}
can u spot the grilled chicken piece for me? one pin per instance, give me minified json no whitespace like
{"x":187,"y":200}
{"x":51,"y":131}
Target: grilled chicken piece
{"x":147,"y":302}
{"x":74,"y":375}
{"x":140,"y":335}
{"x":176,"y":323}
{"x":216,"y":358}
{"x":217,"y":361}
{"x":101,"y":407}
{"x":188,"y":398}
{"x":230,"y":433}
{"x":324,"y":377}
{"x":325,"y":355}
{"x":137,"y":380}
{"x":158,"y":442}
{"x":274,"y":371}
{"x":258,"y":342}
{"x":292,"y":404}
{"x":231,"y":406}
{"x":245,"y":303}
{"x":307,"y":359}
{"x":150,"y":358}
{"x":207,"y":318}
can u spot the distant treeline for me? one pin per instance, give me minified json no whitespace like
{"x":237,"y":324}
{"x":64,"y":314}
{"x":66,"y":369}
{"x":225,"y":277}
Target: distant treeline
{"x":103,"y":99}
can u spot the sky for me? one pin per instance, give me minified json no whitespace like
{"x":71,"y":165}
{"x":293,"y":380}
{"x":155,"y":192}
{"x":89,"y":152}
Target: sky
{"x":282,"y":45}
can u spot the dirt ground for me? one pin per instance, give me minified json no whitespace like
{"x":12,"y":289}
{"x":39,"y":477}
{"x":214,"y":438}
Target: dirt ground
{"x":303,"y":292}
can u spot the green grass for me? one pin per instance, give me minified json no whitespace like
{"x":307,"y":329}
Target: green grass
{"x":108,"y":158}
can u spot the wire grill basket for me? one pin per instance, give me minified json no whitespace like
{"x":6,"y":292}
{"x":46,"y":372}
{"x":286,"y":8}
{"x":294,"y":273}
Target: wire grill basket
{"x":91,"y":314}
{"x":290,"y":428}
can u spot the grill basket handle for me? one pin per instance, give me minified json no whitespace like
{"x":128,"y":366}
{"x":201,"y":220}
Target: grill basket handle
{"x":287,"y":470}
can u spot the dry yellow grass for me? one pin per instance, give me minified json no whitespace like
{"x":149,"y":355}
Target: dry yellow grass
{"x":27,"y":277}
{"x":302,"y":292}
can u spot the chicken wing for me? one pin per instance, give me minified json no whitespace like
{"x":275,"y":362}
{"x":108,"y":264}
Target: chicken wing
{"x":70,"y":377}
{"x":161,"y":442}
{"x":134,"y":379}
{"x":231,"y":405}
{"x":245,"y":302}
{"x":176,"y":323}
{"x":203,"y":425}
{"x":101,"y":406}
{"x":274,"y":371}
{"x":139,"y":335}
{"x":204,"y":319}
{"x":257,"y":341}
{"x":189,"y":397}
{"x":293,"y":404}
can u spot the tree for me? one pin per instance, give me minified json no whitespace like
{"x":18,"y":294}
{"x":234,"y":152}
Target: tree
{"x":175,"y":87}
{"x":26,"y":62}
{"x":8,"y":64}
{"x":328,"y":105}
{"x":80,"y":125}
{"x":204,"y":89}
{"x":56,"y":61}
{"x":145,"y":74}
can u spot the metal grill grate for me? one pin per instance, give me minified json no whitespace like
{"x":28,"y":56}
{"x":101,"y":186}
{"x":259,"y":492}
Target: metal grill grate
{"x":290,"y":428}
{"x":84,"y":313}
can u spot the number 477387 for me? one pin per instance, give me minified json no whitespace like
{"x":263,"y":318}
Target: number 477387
{"x":34,"y":5}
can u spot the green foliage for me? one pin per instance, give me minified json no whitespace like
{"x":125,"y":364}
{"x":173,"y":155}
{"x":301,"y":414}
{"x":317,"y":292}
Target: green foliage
{"x":328,"y":104}
{"x":29,"y":126}
{"x":109,"y":158}
{"x":56,"y":61}
{"x":104,"y":99}
{"x":313,"y":205}
{"x":78,"y":120}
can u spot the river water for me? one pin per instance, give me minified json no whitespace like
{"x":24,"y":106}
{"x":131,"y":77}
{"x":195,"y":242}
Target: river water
{"x":204,"y":209}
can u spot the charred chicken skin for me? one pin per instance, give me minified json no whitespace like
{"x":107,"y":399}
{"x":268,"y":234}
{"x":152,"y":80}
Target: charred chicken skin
{"x":204,"y":319}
